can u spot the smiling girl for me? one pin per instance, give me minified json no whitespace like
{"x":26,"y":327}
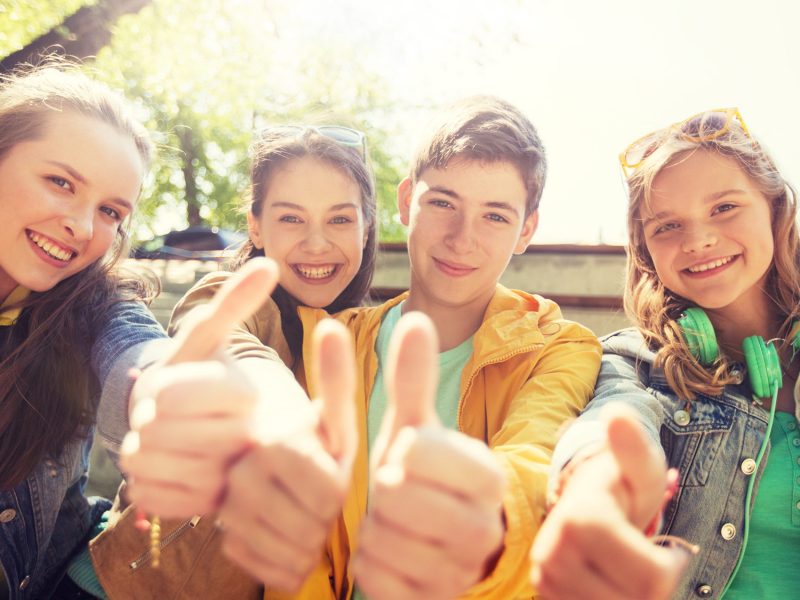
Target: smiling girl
{"x":72,"y":160}
{"x":312,"y":211}
{"x":711,"y":373}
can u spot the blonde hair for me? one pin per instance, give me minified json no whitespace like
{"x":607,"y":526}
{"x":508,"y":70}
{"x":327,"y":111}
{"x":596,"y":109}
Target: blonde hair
{"x":652,"y":306}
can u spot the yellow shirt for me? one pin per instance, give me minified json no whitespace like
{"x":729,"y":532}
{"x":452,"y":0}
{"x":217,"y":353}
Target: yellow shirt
{"x":9,"y":316}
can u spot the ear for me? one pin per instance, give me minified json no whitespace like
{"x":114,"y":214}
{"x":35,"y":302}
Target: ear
{"x":254,"y":230}
{"x":404,"y":193}
{"x":528,"y":229}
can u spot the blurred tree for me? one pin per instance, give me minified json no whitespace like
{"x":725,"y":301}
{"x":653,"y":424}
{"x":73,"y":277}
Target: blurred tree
{"x":80,"y":35}
{"x":210,"y":74}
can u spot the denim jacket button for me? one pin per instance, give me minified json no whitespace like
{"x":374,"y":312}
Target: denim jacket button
{"x":748,"y":466}
{"x":728,"y":531}
{"x":24,"y":583}
{"x":681,"y":417}
{"x":7,"y":515}
{"x":704,"y":590}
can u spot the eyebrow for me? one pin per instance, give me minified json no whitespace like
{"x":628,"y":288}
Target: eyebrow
{"x":72,"y":172}
{"x":491,"y":204}
{"x":294,"y":206}
{"x":75,"y":175}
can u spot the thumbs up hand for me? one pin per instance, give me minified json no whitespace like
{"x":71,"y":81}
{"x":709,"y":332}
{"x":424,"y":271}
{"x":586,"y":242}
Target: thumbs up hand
{"x":592,"y":544}
{"x":192,"y":414}
{"x":284,"y":495}
{"x":435,"y":521}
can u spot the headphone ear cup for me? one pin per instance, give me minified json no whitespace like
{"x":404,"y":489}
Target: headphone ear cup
{"x":699,"y":335}
{"x":763,"y":366}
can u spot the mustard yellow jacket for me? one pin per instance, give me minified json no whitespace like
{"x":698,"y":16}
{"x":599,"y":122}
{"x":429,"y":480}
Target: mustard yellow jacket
{"x":530,"y":372}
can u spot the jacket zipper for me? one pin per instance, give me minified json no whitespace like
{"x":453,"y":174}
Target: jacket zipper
{"x":166,"y":541}
{"x":483,"y":365}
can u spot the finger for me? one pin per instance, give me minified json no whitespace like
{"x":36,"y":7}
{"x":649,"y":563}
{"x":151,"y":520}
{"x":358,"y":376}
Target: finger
{"x":334,"y":363}
{"x":440,"y":457}
{"x":642,"y":468}
{"x":211,"y":437}
{"x":411,"y":379}
{"x":273,"y":576}
{"x":650,"y":571}
{"x":426,"y":513}
{"x":238,"y":298}
{"x":415,"y":560}
{"x":379,"y":581}
{"x":194,"y":390}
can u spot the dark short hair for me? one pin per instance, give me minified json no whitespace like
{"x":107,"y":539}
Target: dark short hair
{"x":486,"y":129}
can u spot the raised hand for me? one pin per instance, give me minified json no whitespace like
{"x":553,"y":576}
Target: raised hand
{"x":435,"y":523}
{"x":592,"y":544}
{"x":192,"y":415}
{"x":284,"y":494}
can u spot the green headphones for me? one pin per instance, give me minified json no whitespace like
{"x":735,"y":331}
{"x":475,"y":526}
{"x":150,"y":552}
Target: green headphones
{"x":763,"y":365}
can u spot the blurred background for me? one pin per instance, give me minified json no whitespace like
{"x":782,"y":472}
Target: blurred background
{"x":592,"y":75}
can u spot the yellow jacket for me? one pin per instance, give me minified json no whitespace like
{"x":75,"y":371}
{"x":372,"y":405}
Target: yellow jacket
{"x":530,"y":372}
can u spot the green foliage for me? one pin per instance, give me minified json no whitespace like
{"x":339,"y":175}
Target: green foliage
{"x":207,"y":75}
{"x":22,"y":21}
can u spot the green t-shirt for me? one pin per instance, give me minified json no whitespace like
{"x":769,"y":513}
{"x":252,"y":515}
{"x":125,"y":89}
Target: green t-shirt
{"x":769,"y":567}
{"x":448,"y":392}
{"x":451,"y":363}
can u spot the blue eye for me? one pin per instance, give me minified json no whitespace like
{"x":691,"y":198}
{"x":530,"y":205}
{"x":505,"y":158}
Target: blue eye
{"x":111,"y":212}
{"x":666,"y":227}
{"x":289,"y":219}
{"x":341,"y":220}
{"x":60,"y":182}
{"x":496,"y":218}
{"x":441,"y":203}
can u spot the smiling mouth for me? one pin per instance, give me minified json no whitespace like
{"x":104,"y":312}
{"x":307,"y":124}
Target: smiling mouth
{"x":315,"y":272}
{"x":50,"y":248}
{"x":711,"y":265}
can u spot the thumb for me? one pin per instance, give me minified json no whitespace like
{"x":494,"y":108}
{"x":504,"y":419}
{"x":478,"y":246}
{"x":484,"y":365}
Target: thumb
{"x":334,"y":362}
{"x":642,"y":467}
{"x":237,"y":299}
{"x":412,"y":374}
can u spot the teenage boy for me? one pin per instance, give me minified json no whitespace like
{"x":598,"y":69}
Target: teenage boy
{"x":446,"y":515}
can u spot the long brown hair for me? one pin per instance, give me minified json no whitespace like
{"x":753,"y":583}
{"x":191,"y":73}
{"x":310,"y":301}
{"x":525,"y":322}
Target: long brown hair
{"x":271,"y":152}
{"x":47,"y":388}
{"x":652,"y":306}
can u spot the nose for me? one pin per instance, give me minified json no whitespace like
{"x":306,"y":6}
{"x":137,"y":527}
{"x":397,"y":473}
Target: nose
{"x":79,"y":223}
{"x":698,"y":238}
{"x":460,"y":236}
{"x":316,"y":242}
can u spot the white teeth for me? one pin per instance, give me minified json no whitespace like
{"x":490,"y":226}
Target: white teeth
{"x":315,"y":272}
{"x":50,"y":248}
{"x":710,"y":265}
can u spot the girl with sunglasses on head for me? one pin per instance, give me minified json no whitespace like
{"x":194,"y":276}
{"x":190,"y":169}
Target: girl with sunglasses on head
{"x":705,"y":384}
{"x":72,"y":161}
{"x":312,"y":212}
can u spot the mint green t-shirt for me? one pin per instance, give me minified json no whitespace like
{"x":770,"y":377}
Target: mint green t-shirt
{"x":448,"y":393}
{"x":451,"y":363}
{"x":770,"y":564}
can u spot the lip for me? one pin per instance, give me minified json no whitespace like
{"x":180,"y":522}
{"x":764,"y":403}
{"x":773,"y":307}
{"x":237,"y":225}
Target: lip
{"x":453,"y":269}
{"x":50,"y":260}
{"x":710,"y":272}
{"x":297,"y":270}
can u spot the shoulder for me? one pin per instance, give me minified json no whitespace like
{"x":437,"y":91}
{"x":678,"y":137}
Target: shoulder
{"x":627,"y":343}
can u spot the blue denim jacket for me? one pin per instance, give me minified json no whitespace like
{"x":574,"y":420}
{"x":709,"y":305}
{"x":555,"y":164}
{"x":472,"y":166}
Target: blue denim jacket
{"x":713,"y":444}
{"x":46,"y":518}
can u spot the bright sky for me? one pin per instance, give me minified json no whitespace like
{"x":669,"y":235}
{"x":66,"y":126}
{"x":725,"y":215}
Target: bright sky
{"x":592,"y":76}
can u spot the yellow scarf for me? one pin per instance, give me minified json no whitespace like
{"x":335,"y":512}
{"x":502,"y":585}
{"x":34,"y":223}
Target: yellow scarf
{"x":9,"y":316}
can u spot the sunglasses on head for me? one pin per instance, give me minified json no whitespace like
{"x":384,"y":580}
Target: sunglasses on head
{"x":698,"y":128}
{"x":344,"y":136}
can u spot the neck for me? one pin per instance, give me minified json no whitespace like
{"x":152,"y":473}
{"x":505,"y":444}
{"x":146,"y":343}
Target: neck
{"x":454,"y":324}
{"x":732,"y":325}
